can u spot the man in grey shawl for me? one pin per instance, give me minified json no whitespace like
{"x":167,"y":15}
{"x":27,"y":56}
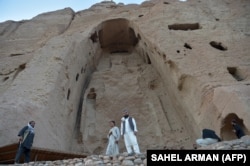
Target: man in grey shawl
{"x":113,"y":137}
{"x":26,"y":136}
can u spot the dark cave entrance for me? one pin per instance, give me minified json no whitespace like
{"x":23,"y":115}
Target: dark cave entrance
{"x":116,"y":36}
{"x":227,"y":129}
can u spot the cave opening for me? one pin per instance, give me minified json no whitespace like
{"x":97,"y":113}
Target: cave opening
{"x":116,"y":36}
{"x":226,"y":130}
{"x":185,"y":27}
{"x":236,"y":74}
{"x":218,"y":46}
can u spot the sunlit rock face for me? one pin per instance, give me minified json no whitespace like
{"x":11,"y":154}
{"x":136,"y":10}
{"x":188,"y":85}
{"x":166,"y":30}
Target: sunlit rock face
{"x":178,"y":67}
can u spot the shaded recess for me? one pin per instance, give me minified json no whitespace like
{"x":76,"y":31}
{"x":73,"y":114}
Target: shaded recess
{"x":236,"y":73}
{"x":218,"y":45}
{"x":94,"y":37}
{"x":227,"y":129}
{"x":116,"y":36}
{"x":184,"y":27}
{"x":186,"y":45}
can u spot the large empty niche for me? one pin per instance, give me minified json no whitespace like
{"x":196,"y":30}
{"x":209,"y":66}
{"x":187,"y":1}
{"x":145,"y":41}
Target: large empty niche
{"x":227,"y":128}
{"x":184,"y":27}
{"x":116,"y":35}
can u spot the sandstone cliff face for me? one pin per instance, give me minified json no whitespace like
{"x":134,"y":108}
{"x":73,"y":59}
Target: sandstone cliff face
{"x":178,"y":67}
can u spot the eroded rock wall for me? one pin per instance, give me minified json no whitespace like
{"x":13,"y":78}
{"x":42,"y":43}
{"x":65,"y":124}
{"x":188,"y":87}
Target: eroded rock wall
{"x":178,"y":66}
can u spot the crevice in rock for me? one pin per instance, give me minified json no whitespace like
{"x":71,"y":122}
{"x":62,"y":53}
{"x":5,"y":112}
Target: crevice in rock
{"x":94,"y":37}
{"x":68,"y":94}
{"x":235,"y":72}
{"x":181,"y":81}
{"x":184,"y":27}
{"x":186,"y":45}
{"x":77,"y":132}
{"x":72,"y":18}
{"x":5,"y":79}
{"x":148,"y":61}
{"x":8,"y":73}
{"x":218,"y":45}
{"x":19,"y":69}
{"x":77,"y":76}
{"x":16,"y":54}
{"x":139,"y":36}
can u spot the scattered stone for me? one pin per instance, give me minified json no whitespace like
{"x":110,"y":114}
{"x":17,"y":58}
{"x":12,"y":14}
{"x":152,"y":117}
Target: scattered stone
{"x":138,"y":159}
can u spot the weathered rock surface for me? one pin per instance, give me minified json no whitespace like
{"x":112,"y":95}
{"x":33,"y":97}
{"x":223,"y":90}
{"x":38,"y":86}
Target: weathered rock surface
{"x":177,"y":66}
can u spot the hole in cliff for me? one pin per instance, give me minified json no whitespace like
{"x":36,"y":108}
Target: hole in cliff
{"x":116,"y":36}
{"x":94,"y":37}
{"x":178,"y":51}
{"x":5,"y":78}
{"x":218,"y":45}
{"x":187,"y":46}
{"x":68,"y":95}
{"x":91,"y":94}
{"x":227,"y":129}
{"x":184,"y":27}
{"x":164,"y":56}
{"x":235,"y":73}
{"x":17,"y":54}
{"x":148,"y":61}
{"x":22,"y":66}
{"x":166,"y":3}
{"x":140,"y":15}
{"x":77,"y":76}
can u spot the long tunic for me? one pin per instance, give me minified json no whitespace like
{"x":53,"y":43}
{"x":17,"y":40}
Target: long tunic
{"x":113,"y":136}
{"x":128,"y":129}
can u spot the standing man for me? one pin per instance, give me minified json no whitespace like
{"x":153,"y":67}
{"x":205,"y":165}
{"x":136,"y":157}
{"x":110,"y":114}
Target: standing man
{"x":237,"y":129}
{"x":113,"y":136}
{"x":129,"y":131}
{"x":26,"y":136}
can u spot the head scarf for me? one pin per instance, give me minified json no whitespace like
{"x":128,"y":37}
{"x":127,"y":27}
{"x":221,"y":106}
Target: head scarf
{"x":30,"y":128}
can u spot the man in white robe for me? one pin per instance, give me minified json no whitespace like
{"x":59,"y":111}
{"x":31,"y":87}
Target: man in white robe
{"x":113,"y":136}
{"x":129,"y":131}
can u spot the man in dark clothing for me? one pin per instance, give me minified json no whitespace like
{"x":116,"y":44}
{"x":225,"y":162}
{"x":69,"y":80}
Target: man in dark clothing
{"x":237,"y":129}
{"x":26,"y":136}
{"x":208,"y":137}
{"x":207,"y":133}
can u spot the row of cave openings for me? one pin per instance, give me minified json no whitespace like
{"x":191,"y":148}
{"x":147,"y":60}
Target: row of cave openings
{"x":236,"y":72}
{"x":83,"y":69}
